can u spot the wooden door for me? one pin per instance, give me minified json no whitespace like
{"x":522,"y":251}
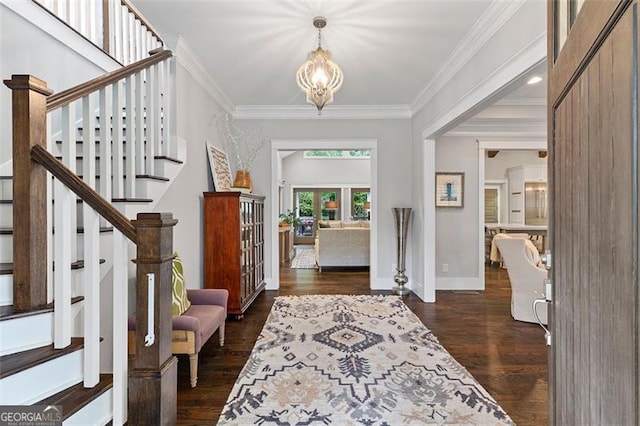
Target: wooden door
{"x":593,"y":159}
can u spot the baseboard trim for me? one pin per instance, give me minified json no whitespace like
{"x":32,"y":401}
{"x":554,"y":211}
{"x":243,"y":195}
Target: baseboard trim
{"x":459,"y":283}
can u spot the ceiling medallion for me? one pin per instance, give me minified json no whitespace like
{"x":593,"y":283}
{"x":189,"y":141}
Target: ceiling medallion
{"x":319,"y":77}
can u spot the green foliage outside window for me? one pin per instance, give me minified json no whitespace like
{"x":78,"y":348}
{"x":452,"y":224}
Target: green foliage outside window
{"x":354,"y":153}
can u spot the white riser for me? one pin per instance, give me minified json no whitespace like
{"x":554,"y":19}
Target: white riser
{"x":6,"y":215}
{"x":42,"y":381}
{"x":26,"y":333}
{"x":34,"y":331}
{"x":6,"y":248}
{"x":98,"y":412}
{"x":6,"y":189}
{"x":6,"y":291}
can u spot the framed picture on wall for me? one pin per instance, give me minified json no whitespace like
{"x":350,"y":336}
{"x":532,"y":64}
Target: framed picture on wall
{"x":220,"y":170}
{"x":449,"y":189}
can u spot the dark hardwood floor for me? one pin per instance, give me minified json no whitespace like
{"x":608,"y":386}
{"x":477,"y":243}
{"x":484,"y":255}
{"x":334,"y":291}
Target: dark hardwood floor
{"x":507,"y":357}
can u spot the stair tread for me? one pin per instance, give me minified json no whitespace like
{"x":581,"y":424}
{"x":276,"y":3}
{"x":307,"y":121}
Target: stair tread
{"x":81,"y":157}
{"x":8,"y":312}
{"x":113,"y":200}
{"x":79,"y":230}
{"x":131,"y":200}
{"x":15,"y":363}
{"x":6,"y":268}
{"x":76,"y":397}
{"x":154,"y":177}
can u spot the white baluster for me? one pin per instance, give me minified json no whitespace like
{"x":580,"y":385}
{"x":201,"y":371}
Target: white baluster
{"x":120,"y":303}
{"x":73,"y":14}
{"x":49,"y":235}
{"x":132,"y":38}
{"x":82,"y":18}
{"x":126,"y":35}
{"x":88,"y":141}
{"x":116,"y":36}
{"x":167,"y":101}
{"x":136,"y":40}
{"x":91,"y":296}
{"x":62,"y":264}
{"x":113,"y":5}
{"x":141,"y":85}
{"x":118,"y":140}
{"x":130,"y":171}
{"x":152,"y":115}
{"x":108,"y":120}
{"x":68,"y":149}
{"x":92,"y":15}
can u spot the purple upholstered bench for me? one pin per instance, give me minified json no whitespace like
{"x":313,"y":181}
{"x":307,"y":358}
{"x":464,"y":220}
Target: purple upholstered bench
{"x":191,"y":330}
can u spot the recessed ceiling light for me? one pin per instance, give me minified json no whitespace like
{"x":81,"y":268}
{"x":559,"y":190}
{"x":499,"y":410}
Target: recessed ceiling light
{"x":534,"y":80}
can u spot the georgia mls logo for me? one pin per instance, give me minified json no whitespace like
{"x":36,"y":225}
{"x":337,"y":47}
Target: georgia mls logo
{"x":52,"y":414}
{"x":36,"y":415}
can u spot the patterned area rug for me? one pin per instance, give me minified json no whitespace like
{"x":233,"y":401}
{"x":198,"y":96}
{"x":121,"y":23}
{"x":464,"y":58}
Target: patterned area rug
{"x":305,"y":258}
{"x":353,"y":360}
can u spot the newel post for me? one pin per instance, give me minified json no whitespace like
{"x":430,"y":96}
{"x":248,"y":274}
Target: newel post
{"x":153,"y":377}
{"x":29,"y":105}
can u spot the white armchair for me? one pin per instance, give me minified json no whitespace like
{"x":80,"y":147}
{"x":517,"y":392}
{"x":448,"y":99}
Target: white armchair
{"x":520,"y":257}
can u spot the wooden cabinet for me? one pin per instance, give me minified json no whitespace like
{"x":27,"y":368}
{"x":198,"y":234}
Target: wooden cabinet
{"x":234,"y":246}
{"x":285,"y":244}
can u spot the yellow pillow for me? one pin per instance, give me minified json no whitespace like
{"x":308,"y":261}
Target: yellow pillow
{"x":179,"y":300}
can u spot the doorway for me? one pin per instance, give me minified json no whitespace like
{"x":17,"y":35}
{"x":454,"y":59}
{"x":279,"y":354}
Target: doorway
{"x":273,"y":280}
{"x":489,"y":179}
{"x":311,"y":205}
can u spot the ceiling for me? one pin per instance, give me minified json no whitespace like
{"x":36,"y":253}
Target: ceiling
{"x":388,"y":50}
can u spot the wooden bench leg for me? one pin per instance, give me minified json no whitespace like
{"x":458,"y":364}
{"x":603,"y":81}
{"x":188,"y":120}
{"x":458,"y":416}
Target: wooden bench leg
{"x":193,"y":366}
{"x":221,"y":332}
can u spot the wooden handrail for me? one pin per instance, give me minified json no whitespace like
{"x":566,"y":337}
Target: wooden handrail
{"x":142,"y":19}
{"x":83,"y":89}
{"x":84,"y":191}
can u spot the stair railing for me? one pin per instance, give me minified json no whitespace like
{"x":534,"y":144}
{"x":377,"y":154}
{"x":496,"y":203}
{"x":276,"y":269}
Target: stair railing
{"x":115,"y":101}
{"x":115,"y":26}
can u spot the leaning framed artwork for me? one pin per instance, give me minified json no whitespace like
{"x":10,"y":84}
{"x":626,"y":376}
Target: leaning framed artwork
{"x":220,"y":170}
{"x":449,"y":189}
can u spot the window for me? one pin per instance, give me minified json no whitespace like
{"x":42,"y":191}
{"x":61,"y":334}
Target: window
{"x":338,"y":154}
{"x":360,"y":204}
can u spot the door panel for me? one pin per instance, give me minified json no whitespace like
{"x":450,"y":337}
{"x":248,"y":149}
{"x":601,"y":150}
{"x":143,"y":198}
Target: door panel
{"x":594,"y":224}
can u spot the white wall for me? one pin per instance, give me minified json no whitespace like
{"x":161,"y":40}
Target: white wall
{"x":194,"y":109}
{"x":27,"y":46}
{"x":456,"y":228}
{"x":495,"y":168}
{"x":297,"y":170}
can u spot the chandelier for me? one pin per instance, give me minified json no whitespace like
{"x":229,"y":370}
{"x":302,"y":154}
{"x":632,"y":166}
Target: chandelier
{"x":319,"y":77}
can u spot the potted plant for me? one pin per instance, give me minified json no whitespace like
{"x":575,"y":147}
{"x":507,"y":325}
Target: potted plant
{"x":288,"y":219}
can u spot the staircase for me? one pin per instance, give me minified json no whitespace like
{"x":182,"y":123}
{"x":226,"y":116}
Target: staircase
{"x":65,"y":262}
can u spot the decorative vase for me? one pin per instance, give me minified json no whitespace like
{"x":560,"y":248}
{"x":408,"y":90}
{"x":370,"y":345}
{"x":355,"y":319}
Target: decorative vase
{"x":401,"y":216}
{"x":243,"y":180}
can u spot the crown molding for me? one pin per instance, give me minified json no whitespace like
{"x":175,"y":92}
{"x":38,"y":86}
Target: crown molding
{"x":332,"y":112}
{"x":528,"y":57}
{"x":191,"y":62}
{"x":522,"y":102}
{"x":496,"y":15}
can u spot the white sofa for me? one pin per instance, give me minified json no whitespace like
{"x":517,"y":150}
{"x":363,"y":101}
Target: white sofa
{"x":342,"y":244}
